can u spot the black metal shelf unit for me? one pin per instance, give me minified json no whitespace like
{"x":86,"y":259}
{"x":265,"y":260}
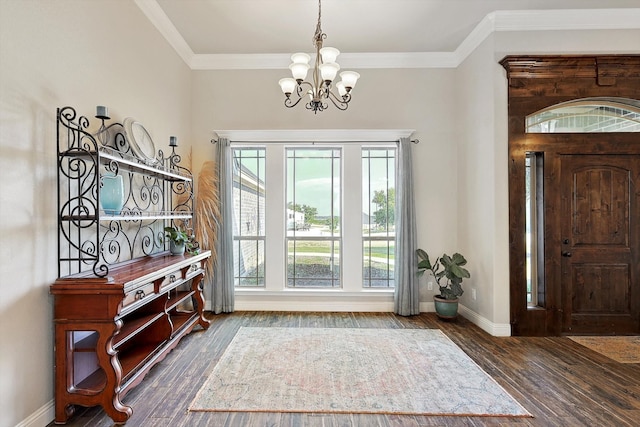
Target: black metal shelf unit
{"x":156,"y":193}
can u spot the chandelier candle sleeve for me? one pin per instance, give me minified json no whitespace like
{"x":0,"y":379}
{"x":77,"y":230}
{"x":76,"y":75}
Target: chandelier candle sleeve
{"x":324,"y":72}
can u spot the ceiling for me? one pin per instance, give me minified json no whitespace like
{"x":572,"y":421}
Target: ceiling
{"x":197,"y":28}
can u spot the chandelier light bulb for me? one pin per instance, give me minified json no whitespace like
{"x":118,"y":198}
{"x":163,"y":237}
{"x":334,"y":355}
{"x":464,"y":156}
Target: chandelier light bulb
{"x":328,"y":71}
{"x":349,"y":78}
{"x":299,"y":70}
{"x":342,"y":91}
{"x":300,"y":58}
{"x":287,"y":85}
{"x":329,"y":54}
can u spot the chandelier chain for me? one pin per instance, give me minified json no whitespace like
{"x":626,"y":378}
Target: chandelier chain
{"x":319,"y":35}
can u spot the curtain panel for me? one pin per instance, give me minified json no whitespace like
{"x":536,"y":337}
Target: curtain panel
{"x":407,"y":292}
{"x":222,"y":292}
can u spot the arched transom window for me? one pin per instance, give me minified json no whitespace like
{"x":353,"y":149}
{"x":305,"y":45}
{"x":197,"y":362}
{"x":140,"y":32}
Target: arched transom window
{"x":587,"y":115}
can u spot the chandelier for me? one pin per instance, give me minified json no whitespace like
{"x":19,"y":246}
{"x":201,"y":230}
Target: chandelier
{"x":324,"y":73}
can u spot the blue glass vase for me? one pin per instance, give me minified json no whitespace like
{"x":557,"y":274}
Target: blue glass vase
{"x":111,"y":194}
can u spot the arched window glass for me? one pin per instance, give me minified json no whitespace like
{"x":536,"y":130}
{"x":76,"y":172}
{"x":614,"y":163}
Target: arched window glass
{"x":587,"y":115}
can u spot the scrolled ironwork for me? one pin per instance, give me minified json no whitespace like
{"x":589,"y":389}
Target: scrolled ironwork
{"x":91,"y":239}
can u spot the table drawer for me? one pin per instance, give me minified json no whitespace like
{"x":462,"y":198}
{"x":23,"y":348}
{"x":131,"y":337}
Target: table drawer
{"x":170,"y":279}
{"x":143,"y":292}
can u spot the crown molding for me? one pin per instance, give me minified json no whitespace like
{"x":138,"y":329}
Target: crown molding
{"x":502,"y":20}
{"x":163,"y":24}
{"x":484,"y":29}
{"x":547,"y":20}
{"x":347,"y":60}
{"x":567,"y":19}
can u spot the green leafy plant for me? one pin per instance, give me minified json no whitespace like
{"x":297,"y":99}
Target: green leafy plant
{"x":448,"y":272}
{"x":180,"y":237}
{"x":176,"y":235}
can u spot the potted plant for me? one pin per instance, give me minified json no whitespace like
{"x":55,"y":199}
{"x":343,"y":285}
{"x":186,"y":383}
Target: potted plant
{"x":178,"y":240}
{"x":448,"y":272}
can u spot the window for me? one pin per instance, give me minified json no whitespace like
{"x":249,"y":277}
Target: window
{"x":249,"y":216}
{"x":378,"y":217}
{"x":587,"y":115}
{"x":534,"y":229}
{"x":313,"y":210}
{"x":330,"y":222}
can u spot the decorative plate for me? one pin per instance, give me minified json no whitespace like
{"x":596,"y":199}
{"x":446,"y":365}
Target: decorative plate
{"x":140,"y":140}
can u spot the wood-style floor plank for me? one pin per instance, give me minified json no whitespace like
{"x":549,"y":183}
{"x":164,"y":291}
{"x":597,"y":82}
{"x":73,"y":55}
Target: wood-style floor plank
{"x":560,"y":382}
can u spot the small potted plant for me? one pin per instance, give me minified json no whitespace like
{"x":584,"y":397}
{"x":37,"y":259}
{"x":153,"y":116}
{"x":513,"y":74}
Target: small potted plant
{"x":178,"y":240}
{"x":448,"y":272}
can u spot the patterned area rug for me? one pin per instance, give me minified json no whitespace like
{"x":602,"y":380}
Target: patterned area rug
{"x":623,"y":349}
{"x":390,"y":371}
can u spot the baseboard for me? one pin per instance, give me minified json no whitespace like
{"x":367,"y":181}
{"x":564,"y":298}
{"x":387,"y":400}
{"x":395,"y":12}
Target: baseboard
{"x":42,"y":417}
{"x":495,"y":329}
{"x":359,"y":303}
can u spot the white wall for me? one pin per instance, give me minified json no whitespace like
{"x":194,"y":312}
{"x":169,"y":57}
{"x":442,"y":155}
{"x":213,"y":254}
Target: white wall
{"x":479,"y":217}
{"x":420,"y":99}
{"x":52,"y":54}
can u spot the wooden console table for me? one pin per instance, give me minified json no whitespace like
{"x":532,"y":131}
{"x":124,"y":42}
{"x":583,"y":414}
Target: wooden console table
{"x":110,"y":331}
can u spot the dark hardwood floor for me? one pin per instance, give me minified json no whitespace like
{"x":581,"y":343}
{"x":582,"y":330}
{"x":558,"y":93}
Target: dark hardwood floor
{"x":558,"y":381}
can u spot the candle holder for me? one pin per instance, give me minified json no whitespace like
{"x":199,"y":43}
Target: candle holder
{"x":174,"y":158}
{"x":102,"y":113}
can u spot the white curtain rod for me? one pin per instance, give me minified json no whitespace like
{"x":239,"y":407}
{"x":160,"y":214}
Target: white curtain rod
{"x":314,"y":135}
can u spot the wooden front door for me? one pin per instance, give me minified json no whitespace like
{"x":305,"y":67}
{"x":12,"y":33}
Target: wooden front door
{"x":589,"y":184}
{"x":600,"y":233}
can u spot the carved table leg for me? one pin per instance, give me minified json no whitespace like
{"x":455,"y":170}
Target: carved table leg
{"x":197,"y":288}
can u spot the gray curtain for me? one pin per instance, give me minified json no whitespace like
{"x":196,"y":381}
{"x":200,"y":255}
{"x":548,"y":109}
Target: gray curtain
{"x":222,"y":294}
{"x":407,"y":296}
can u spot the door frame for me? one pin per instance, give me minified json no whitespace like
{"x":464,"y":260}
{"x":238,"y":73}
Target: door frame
{"x":534,"y":83}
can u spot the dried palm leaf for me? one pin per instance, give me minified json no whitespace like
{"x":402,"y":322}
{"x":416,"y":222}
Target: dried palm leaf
{"x":207,"y":212}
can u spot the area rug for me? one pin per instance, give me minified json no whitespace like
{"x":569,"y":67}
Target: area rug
{"x":622,"y":349}
{"x":340,"y":370}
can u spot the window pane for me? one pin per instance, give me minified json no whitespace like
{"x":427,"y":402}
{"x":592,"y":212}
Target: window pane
{"x":378,"y":217}
{"x":313,"y":217}
{"x":528,"y":227}
{"x":589,"y":115}
{"x":313,"y":263}
{"x":249,"y":262}
{"x":249,"y":216}
{"x":378,"y":260}
{"x":534,"y":230}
